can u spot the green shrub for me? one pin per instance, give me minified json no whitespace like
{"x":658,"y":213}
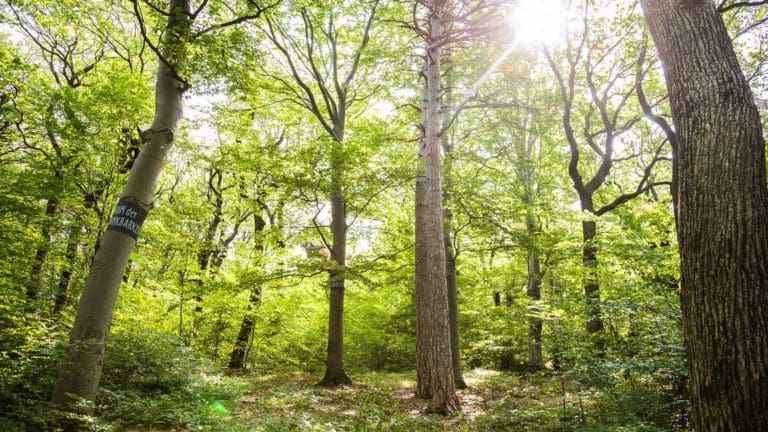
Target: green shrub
{"x":149,"y":361}
{"x":30,"y":354}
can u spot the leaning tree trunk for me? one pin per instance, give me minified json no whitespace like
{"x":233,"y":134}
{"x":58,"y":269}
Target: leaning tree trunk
{"x":81,"y":369}
{"x":433,"y":336}
{"x":723,"y":215}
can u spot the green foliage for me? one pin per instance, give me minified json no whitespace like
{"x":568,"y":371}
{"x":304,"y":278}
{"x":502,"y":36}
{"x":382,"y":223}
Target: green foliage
{"x":30,"y":354}
{"x":152,"y":380}
{"x":149,"y":362}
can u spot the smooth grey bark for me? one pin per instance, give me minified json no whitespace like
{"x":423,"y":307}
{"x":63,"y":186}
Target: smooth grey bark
{"x":434,"y":369}
{"x":329,"y":102}
{"x":722,"y":215}
{"x":81,"y":368}
{"x":451,"y":252}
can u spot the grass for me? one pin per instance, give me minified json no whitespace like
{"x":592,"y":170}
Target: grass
{"x":290,"y":401}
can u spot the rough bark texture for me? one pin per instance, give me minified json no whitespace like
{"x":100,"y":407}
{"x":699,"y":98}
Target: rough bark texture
{"x":723,"y":216}
{"x":81,"y":369}
{"x":433,"y":336}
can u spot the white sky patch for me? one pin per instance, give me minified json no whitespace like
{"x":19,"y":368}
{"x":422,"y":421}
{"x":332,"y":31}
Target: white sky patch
{"x":539,"y":21}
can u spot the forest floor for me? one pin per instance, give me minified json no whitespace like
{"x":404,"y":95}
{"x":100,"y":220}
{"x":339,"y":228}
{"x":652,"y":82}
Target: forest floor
{"x":386,"y":402}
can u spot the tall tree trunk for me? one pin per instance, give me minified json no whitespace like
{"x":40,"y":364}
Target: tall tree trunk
{"x":434,"y":372}
{"x":723,"y":215}
{"x":334,"y":367}
{"x":450,"y":250}
{"x":81,"y":368}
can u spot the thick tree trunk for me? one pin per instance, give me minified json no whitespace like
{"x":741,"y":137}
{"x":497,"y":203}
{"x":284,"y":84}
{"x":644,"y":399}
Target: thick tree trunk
{"x":723,"y":215}
{"x":434,"y":373}
{"x":81,"y":369}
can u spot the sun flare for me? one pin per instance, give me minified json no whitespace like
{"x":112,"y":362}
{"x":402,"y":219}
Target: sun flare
{"x":539,"y":20}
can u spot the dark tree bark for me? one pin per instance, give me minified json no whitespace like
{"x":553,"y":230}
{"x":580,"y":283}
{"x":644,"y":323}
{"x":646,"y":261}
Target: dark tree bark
{"x":605,"y":121}
{"x":238,"y":356}
{"x":34,"y":283}
{"x":61,"y":298}
{"x":722,"y":215}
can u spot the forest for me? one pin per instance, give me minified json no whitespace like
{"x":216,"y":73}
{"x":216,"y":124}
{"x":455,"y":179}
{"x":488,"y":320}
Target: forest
{"x":383,"y":215}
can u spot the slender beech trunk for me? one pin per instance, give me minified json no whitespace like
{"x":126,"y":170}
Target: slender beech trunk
{"x":450,"y":251}
{"x":525,"y":153}
{"x":722,"y":215}
{"x":434,"y":369}
{"x":61,"y":297}
{"x":35,"y":282}
{"x":238,"y":356}
{"x":334,"y":366}
{"x":81,"y":369}
{"x":533,"y":290}
{"x":591,"y":284}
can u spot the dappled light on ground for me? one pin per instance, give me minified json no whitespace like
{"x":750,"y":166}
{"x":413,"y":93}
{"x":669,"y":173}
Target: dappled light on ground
{"x":384,"y":402}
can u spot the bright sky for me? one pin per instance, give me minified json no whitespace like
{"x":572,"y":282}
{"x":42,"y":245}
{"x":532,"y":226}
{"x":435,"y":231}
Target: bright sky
{"x":539,"y":21}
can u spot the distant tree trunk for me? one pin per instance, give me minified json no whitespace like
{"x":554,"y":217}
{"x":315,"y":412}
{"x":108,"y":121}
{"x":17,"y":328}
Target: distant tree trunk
{"x":723,"y":215}
{"x":450,"y":250}
{"x":61,"y":297}
{"x":238,"y":356}
{"x":34,"y":283}
{"x":533,"y":290}
{"x":526,"y":158}
{"x":591,"y":284}
{"x":81,"y":368}
{"x":434,"y":369}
